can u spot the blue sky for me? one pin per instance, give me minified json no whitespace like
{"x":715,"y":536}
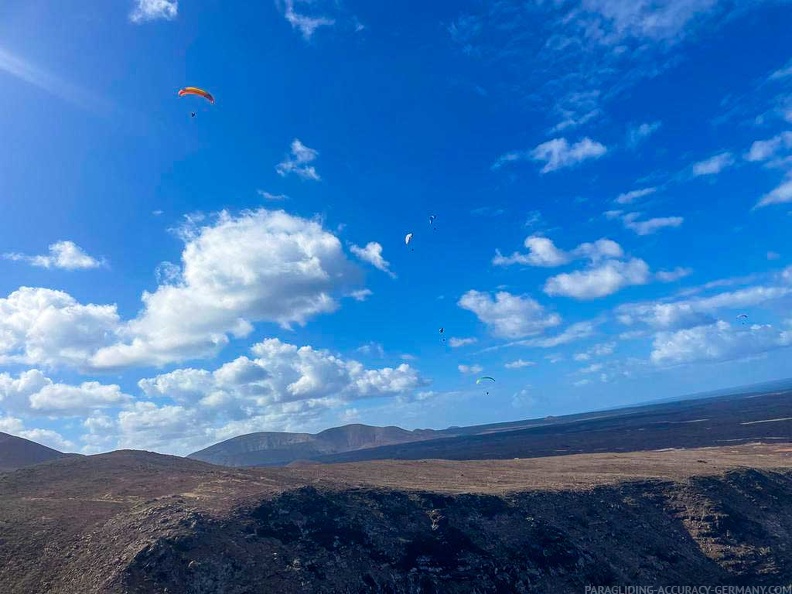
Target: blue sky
{"x":612,"y":184}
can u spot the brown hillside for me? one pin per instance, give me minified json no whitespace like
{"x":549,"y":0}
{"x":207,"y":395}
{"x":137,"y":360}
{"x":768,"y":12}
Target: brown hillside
{"x":140,"y":522}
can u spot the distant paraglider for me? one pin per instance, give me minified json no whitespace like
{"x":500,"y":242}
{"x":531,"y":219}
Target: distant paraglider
{"x":485,"y":378}
{"x":432,"y":220}
{"x":441,"y":333}
{"x":196,"y":91}
{"x":743,"y":318}
{"x":408,"y":239}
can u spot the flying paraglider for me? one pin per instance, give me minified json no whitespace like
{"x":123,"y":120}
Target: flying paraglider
{"x":743,"y":317}
{"x":408,"y":239}
{"x":432,"y":220}
{"x":196,"y":91}
{"x":485,"y":378}
{"x":441,"y":332}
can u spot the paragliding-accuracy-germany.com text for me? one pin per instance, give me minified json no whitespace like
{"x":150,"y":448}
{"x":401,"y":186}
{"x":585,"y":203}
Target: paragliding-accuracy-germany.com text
{"x":787,"y":589}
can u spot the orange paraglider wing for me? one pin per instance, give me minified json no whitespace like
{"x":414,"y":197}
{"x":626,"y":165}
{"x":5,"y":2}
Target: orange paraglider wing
{"x":196,"y":91}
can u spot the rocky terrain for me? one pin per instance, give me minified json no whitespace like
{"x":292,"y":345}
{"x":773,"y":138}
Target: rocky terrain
{"x":141,"y":522}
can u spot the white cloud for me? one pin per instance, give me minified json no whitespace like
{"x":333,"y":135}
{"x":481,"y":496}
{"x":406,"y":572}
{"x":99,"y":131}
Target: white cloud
{"x":586,"y":52}
{"x":152,"y":10}
{"x":572,"y":333}
{"x":470,"y":369}
{"x":781,"y":194}
{"x":649,"y":226}
{"x":261,"y":266}
{"x":31,"y":392}
{"x":773,"y":255}
{"x":697,"y":311}
{"x":716,"y":342}
{"x":670,"y":276}
{"x":372,"y":348}
{"x":361,"y":295}
{"x":62,"y":254}
{"x":762,"y":150}
{"x":307,"y":25}
{"x":598,"y":350}
{"x":299,"y":161}
{"x":543,"y":252}
{"x":558,"y":153}
{"x":599,"y":280}
{"x":713,"y":165}
{"x":519,"y":364}
{"x":281,"y":387}
{"x":507,"y":315}
{"x":637,"y":134}
{"x":593,"y":368}
{"x":632,"y":196}
{"x":50,"y":328}
{"x":272,"y":197}
{"x":372,"y":254}
{"x":460,"y":342}
{"x":281,"y":372}
{"x":49,"y":438}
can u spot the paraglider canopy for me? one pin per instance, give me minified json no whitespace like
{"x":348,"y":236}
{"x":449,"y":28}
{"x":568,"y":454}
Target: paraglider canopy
{"x":408,"y":239}
{"x":431,"y":219}
{"x":485,"y":378}
{"x":196,"y":91}
{"x":742,"y":316}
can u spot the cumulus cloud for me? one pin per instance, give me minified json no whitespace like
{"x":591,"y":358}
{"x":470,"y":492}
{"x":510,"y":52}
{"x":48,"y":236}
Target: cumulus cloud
{"x":633,"y":195}
{"x":519,"y":364}
{"x":261,"y":266}
{"x":153,"y":10}
{"x":470,"y":369}
{"x":299,"y":162}
{"x":637,"y":134}
{"x":543,"y":252}
{"x":372,"y":254}
{"x":279,"y":386}
{"x":307,"y":25}
{"x":50,"y":328}
{"x":599,"y":280}
{"x":65,"y":255}
{"x":455,"y":343}
{"x":713,"y":165}
{"x":507,"y":315}
{"x":281,"y":372}
{"x":32,"y":392}
{"x":716,"y":342}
